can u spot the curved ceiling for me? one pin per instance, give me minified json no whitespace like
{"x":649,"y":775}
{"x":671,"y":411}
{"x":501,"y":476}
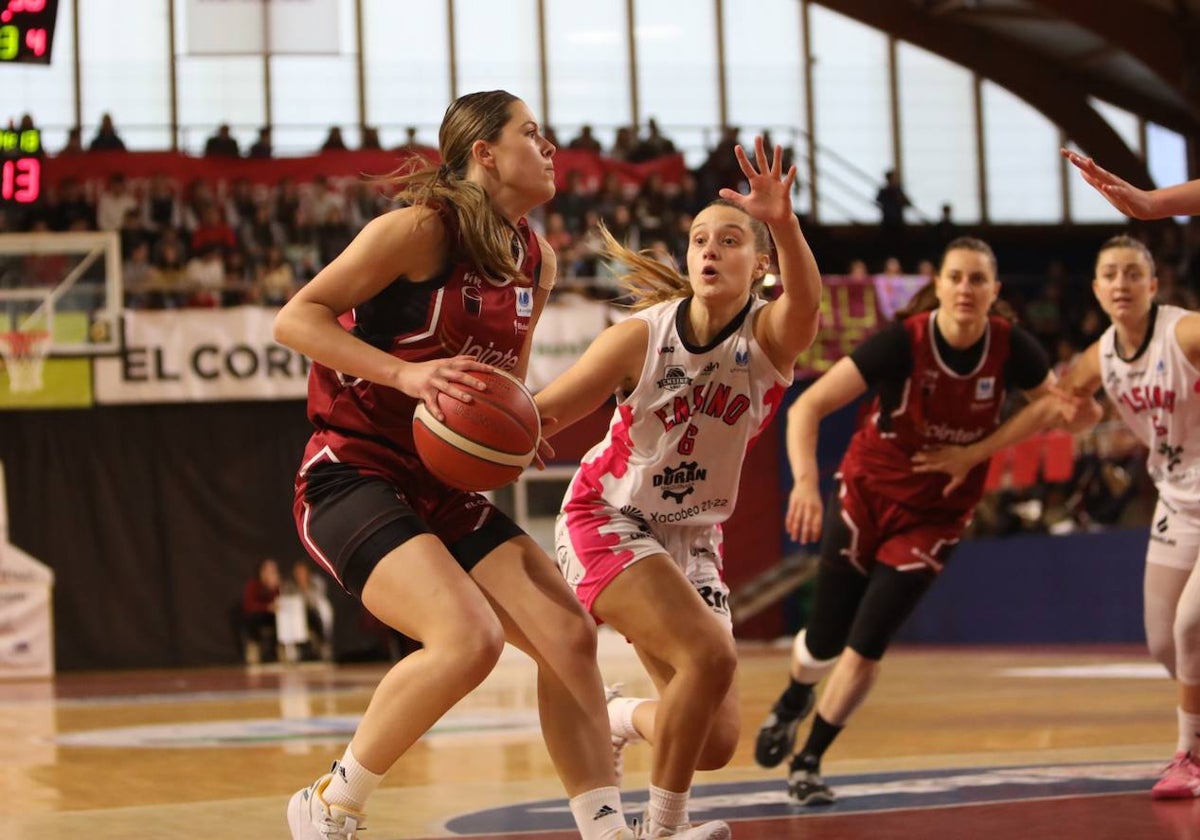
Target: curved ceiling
{"x":1140,"y":55}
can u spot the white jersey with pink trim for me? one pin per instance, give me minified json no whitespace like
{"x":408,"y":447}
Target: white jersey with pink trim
{"x":675,"y":446}
{"x":1157,"y":394}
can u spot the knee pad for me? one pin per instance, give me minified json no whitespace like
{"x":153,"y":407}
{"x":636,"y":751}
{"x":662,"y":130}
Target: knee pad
{"x":805,"y":658}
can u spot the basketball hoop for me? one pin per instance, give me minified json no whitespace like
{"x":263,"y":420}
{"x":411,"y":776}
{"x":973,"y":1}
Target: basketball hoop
{"x":24,"y":355}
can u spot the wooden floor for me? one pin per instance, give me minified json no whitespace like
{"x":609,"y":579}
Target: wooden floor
{"x":216,"y":753}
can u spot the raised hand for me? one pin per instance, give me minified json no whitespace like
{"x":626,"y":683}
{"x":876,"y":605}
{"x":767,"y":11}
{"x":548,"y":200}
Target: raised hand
{"x":425,"y":380}
{"x":1119,"y":193}
{"x":770,"y":198}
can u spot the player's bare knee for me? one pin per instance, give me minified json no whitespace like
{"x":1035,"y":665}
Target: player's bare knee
{"x":721,"y":744}
{"x":472,"y":654}
{"x":575,"y":641}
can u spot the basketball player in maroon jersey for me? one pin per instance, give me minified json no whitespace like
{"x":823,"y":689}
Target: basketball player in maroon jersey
{"x":424,"y":296}
{"x":941,"y":373}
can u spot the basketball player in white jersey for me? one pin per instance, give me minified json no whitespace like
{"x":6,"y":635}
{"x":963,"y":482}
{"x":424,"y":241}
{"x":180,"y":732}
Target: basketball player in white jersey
{"x":698,"y":370}
{"x":1148,"y":362}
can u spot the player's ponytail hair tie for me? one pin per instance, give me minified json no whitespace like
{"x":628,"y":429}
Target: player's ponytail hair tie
{"x":444,"y":172}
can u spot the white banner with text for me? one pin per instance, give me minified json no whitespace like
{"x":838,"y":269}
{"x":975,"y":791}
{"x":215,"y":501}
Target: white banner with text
{"x":200,"y":355}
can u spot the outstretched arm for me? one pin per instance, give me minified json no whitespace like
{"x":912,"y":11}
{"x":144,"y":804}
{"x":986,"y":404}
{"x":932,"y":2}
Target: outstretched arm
{"x":789,"y":323}
{"x":1068,"y":405}
{"x":1179,"y":200}
{"x":614,"y":360}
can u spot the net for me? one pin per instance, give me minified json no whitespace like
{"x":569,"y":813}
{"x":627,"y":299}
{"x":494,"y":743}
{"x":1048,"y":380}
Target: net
{"x":24,"y":353}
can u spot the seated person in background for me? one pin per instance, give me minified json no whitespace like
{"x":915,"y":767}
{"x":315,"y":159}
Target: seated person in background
{"x":317,"y":608}
{"x":260,"y":600}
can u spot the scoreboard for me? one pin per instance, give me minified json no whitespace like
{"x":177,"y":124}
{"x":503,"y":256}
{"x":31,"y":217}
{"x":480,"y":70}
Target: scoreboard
{"x":21,"y":158}
{"x":27,"y":30}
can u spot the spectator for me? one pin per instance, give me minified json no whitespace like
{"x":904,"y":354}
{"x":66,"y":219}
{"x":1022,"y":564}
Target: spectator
{"x":160,"y":205}
{"x":654,"y":145}
{"x":242,"y":202}
{"x":318,"y":609}
{"x":571,"y":201}
{"x":260,"y":233}
{"x":137,"y":275}
{"x":74,"y":142}
{"x":261,"y":148}
{"x":333,"y":141}
{"x":370,"y":139}
{"x":222,"y":144}
{"x":624,"y":144}
{"x":720,"y":169}
{"x":213,"y":230}
{"x":106,"y":139}
{"x":260,"y":601}
{"x":276,"y":281}
{"x":204,"y":275}
{"x":585,"y":141}
{"x":115,"y":201}
{"x":892,"y":202}
{"x":412,"y":144}
{"x":945,"y":229}
{"x":71,"y":207}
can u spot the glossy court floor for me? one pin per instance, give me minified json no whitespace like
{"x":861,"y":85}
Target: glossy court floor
{"x":955,"y":743}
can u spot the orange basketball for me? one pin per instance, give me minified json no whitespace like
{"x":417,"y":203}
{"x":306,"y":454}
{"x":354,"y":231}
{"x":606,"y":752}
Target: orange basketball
{"x":483,"y":444}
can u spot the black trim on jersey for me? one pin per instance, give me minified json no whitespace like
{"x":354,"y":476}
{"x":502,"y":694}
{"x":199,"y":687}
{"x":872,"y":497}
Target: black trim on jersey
{"x":1145,"y":341}
{"x":728,"y":330}
{"x":400,"y":309}
{"x":1028,"y":365}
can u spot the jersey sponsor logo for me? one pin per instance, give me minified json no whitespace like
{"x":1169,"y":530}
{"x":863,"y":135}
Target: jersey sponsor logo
{"x":711,"y":367}
{"x":929,"y":380}
{"x":985,"y":388}
{"x":679,"y":482}
{"x":945,"y":433}
{"x":674,"y":379}
{"x":1172,"y":454}
{"x":714,"y":399}
{"x":1141,"y":398}
{"x":524,"y":302}
{"x":489,"y":355}
{"x":665,"y":349}
{"x":741,"y":358}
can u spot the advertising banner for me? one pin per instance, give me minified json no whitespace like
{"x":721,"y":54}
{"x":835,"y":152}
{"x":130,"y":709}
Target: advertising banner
{"x":200,"y":355}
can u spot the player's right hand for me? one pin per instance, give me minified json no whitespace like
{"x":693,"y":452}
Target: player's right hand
{"x":425,"y":380}
{"x":804,"y":513}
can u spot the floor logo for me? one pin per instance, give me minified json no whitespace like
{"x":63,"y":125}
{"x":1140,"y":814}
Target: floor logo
{"x":856,"y":794}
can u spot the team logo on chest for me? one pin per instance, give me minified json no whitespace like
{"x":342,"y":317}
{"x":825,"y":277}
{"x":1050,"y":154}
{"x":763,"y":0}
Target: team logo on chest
{"x":674,"y":378}
{"x":985,"y":388}
{"x":524,"y":302}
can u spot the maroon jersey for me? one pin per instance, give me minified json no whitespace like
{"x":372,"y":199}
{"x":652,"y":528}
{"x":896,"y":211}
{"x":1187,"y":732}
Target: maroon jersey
{"x":937,"y":407}
{"x":460,"y":312}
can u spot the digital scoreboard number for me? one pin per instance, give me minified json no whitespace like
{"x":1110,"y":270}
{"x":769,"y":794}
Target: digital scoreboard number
{"x":27,"y":30}
{"x":20,"y":166}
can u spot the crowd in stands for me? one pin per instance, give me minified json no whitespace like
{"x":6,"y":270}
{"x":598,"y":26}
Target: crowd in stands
{"x":207,"y":244}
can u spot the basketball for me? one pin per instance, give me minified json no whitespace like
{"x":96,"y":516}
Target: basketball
{"x":483,"y":444}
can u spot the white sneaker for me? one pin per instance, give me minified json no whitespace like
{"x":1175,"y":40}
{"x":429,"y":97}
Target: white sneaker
{"x":715,"y":830}
{"x":611,"y":693}
{"x":310,"y":818}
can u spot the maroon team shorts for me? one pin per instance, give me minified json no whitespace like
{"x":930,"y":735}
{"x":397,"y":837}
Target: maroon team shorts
{"x":880,"y":530}
{"x":358,"y":499}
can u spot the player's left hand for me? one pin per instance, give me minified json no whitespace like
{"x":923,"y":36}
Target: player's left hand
{"x":955,"y":461}
{"x":1120,"y":193}
{"x":770,"y":198}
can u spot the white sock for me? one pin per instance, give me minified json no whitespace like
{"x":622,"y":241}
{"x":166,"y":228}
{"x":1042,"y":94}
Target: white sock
{"x":667,"y":809}
{"x":352,"y":784}
{"x":1189,"y":732}
{"x":598,"y":814}
{"x":620,"y":718}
